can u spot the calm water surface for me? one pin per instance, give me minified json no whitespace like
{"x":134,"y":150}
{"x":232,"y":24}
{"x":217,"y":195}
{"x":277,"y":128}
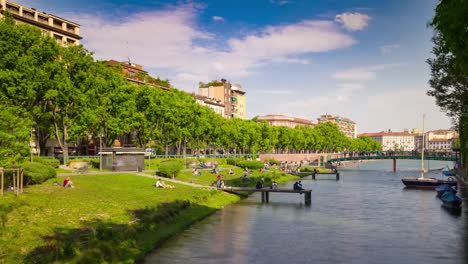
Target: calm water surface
{"x":366,"y":217}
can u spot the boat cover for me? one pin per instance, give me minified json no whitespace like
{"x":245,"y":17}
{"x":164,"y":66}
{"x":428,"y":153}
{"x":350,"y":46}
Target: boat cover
{"x":449,"y":197}
{"x":444,"y":188}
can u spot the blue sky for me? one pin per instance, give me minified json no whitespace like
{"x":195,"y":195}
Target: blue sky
{"x":364,"y":60}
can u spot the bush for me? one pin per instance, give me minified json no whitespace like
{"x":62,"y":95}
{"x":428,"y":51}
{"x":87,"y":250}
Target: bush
{"x":35,"y":172}
{"x":170,"y":168}
{"x":273,"y":161}
{"x":234,"y":161}
{"x":251,"y":164}
{"x":53,"y":162}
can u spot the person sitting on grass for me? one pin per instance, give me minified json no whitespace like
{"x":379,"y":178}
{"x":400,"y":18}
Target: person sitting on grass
{"x":67,"y":183}
{"x":161,"y":184}
{"x":231,"y":172}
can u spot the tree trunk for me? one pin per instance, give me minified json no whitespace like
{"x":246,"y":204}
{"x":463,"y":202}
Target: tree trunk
{"x":42,"y":138}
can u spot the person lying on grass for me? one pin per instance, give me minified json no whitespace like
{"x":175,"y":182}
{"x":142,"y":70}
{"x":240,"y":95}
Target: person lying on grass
{"x":161,"y":184}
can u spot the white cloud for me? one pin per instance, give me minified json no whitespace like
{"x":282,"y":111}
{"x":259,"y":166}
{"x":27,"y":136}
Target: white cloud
{"x":218,"y":18}
{"x":353,"y":21}
{"x":171,"y":39}
{"x":386,"y":49}
{"x":279,"y":2}
{"x":364,"y":73}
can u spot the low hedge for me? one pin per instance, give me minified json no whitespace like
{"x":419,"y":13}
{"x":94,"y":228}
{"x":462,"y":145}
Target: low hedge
{"x":251,"y":164}
{"x":35,"y":172}
{"x":170,"y":168}
{"x":53,"y":162}
{"x":273,"y":161}
{"x":234,"y":161}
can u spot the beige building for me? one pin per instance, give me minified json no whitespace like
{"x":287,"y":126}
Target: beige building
{"x":232,"y":96}
{"x":238,"y":101}
{"x":348,"y":127}
{"x":212,"y":103}
{"x":440,"y":140}
{"x":287,"y":121}
{"x":62,"y":30}
{"x":135,"y":73}
{"x":396,"y":141}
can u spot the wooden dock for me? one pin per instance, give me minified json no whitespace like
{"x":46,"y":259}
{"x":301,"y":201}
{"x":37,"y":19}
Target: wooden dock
{"x":266,"y":192}
{"x":337,"y":174}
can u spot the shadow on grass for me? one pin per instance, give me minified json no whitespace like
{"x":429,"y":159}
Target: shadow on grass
{"x":98,"y":241}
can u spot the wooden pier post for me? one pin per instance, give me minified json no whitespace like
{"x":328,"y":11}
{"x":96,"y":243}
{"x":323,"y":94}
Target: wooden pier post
{"x":267,"y":197}
{"x":263,"y":197}
{"x":308,"y":198}
{"x":337,"y":176}
{"x":394,"y":165}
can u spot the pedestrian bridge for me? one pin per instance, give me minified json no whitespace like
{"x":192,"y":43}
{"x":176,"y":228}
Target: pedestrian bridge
{"x":443,"y":156}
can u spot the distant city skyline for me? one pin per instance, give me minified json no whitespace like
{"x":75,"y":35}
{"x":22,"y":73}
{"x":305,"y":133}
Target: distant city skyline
{"x":363,"y":60}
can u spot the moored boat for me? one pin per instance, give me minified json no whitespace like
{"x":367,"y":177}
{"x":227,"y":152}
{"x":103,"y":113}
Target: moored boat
{"x":441,"y":189}
{"x":422,"y":182}
{"x":426,"y":183}
{"x":451,"y":200}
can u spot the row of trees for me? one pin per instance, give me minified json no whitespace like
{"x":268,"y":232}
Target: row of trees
{"x":63,"y":93}
{"x":449,"y":66}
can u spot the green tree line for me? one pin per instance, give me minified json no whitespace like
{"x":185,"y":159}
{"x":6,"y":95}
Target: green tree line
{"x":64,"y":94}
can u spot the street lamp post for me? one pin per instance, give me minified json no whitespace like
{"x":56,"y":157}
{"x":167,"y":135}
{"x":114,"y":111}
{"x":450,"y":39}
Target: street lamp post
{"x":100,"y":151}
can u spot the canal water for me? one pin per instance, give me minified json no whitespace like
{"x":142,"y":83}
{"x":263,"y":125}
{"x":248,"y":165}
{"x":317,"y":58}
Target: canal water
{"x":366,"y":217}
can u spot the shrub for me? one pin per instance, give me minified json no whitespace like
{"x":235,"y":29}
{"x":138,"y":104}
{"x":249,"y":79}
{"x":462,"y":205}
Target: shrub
{"x":170,"y":168}
{"x":251,"y":164}
{"x":53,"y":162}
{"x":234,"y":161}
{"x":35,"y":172}
{"x":273,"y":161}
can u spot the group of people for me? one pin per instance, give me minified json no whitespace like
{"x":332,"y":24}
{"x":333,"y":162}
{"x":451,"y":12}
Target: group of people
{"x":298,"y":186}
{"x":219,"y":181}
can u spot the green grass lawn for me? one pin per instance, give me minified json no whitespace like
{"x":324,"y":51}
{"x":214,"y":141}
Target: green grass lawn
{"x":119,"y":216}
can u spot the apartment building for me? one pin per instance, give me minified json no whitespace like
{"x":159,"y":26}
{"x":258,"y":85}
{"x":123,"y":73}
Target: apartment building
{"x":287,"y":121}
{"x":231,"y":97}
{"x":135,"y":73}
{"x":212,"y":103}
{"x":396,"y":141}
{"x":64,"y":31}
{"x":441,"y":140}
{"x":238,"y":101}
{"x":347,"y":126}
{"x":437,"y":140}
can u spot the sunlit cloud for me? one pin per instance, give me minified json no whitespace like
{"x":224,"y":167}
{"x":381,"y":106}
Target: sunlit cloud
{"x":353,"y":21}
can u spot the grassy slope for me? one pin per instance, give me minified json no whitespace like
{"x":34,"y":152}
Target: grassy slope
{"x":98,"y":199}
